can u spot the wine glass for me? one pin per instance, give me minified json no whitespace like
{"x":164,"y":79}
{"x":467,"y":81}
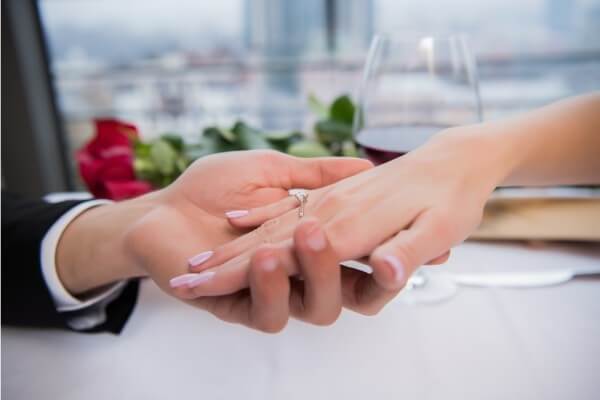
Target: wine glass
{"x":413,"y":87}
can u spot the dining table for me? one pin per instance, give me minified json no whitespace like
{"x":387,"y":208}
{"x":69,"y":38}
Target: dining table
{"x":483,"y":342}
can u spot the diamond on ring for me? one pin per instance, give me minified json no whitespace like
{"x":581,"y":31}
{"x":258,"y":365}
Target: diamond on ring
{"x":302,"y":196}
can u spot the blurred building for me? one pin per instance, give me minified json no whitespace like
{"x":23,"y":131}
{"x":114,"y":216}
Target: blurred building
{"x":283,"y":35}
{"x":559,"y":14}
{"x":354,"y":26}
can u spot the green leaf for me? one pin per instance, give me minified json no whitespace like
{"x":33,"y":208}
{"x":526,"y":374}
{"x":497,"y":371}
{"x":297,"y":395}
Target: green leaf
{"x":282,"y":140}
{"x":349,"y":149}
{"x":224,"y":133}
{"x":213,"y":141}
{"x":282,"y":135}
{"x":308,"y":148}
{"x":195,"y":151}
{"x":175,"y":141}
{"x":330,"y":131}
{"x":181,"y":163}
{"x":342,"y":110}
{"x":141,"y":149}
{"x":317,"y":107}
{"x":249,"y":138}
{"x":144,"y":168}
{"x":163,"y":156}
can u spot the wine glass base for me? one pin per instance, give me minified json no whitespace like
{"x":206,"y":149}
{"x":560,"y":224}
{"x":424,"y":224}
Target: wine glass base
{"x":435,"y":287}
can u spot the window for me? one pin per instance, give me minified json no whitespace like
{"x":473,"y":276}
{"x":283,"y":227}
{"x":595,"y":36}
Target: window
{"x":180,"y":65}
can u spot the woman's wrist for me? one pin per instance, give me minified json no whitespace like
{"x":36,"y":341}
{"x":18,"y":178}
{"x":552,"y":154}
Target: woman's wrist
{"x":91,"y":252}
{"x":482,"y":149}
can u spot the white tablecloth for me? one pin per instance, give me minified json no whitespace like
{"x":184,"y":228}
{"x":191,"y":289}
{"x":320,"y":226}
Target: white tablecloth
{"x":481,"y":344}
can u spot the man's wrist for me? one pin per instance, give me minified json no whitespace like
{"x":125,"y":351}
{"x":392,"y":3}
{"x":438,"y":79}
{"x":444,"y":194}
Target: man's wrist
{"x":91,"y":252}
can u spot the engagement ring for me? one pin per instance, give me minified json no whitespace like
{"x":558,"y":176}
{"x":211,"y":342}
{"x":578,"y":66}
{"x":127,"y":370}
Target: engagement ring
{"x":302,"y":196}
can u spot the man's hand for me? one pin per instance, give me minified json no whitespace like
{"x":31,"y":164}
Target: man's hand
{"x":156,"y":234}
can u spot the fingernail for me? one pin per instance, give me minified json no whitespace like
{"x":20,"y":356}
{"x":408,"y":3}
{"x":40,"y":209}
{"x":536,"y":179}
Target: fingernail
{"x":237,"y":213}
{"x":200,"y":278}
{"x":268,"y":263}
{"x":186,"y":279}
{"x":316,"y":240}
{"x":199,"y":258}
{"x":397,"y":266}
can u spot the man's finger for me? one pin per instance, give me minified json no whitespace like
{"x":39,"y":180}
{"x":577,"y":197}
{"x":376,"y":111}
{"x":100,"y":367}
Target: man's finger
{"x":270,"y":291}
{"x":363,"y":294}
{"x":320,"y":300}
{"x":313,"y":173}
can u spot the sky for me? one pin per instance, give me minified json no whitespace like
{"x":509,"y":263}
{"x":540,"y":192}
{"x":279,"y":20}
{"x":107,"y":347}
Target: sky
{"x":148,"y":16}
{"x":132,"y":28}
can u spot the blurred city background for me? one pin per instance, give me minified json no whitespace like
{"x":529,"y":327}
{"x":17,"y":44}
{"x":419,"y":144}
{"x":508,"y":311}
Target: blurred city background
{"x":179,"y":65}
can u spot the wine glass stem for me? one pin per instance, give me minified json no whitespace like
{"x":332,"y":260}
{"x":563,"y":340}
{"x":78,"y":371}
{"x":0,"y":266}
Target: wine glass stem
{"x":417,"y":280}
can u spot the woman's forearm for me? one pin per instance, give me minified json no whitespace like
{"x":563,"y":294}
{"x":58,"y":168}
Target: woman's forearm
{"x":554,"y":145}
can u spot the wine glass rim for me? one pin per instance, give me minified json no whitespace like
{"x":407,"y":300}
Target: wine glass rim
{"x":399,"y":35}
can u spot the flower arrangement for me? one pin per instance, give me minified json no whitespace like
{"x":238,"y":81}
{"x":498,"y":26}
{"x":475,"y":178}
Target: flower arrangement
{"x":106,"y":161}
{"x":118,"y":164}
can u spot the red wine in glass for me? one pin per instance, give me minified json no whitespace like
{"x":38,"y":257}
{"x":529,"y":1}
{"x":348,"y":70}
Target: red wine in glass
{"x":382,"y":144}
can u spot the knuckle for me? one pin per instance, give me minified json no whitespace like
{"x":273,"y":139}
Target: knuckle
{"x":443,"y":225}
{"x":267,"y":230}
{"x":263,"y":251}
{"x":341,"y":240}
{"x":333,"y":200}
{"x":269,"y":156}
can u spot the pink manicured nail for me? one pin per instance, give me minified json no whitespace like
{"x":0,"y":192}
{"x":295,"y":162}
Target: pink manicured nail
{"x":316,"y":240}
{"x":237,"y":213}
{"x":269,"y":263}
{"x":183,"y":280}
{"x":200,"y":278}
{"x":199,"y":258}
{"x":397,"y":266}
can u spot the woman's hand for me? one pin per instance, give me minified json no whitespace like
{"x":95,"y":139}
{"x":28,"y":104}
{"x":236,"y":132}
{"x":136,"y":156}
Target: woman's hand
{"x":156,"y":234}
{"x":272,"y":297}
{"x":402,"y":214}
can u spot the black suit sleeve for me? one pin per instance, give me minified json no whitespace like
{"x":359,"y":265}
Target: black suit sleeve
{"x":26,"y":300}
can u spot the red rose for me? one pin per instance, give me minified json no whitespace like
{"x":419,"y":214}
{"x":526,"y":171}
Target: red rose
{"x":106,"y":162}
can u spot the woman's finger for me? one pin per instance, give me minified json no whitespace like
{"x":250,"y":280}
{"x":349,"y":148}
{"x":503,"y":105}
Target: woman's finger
{"x":256,"y":216}
{"x":318,"y":298}
{"x":295,"y":172}
{"x":440,"y":260}
{"x":227,"y":278}
{"x":272,"y":231}
{"x":423,"y":241}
